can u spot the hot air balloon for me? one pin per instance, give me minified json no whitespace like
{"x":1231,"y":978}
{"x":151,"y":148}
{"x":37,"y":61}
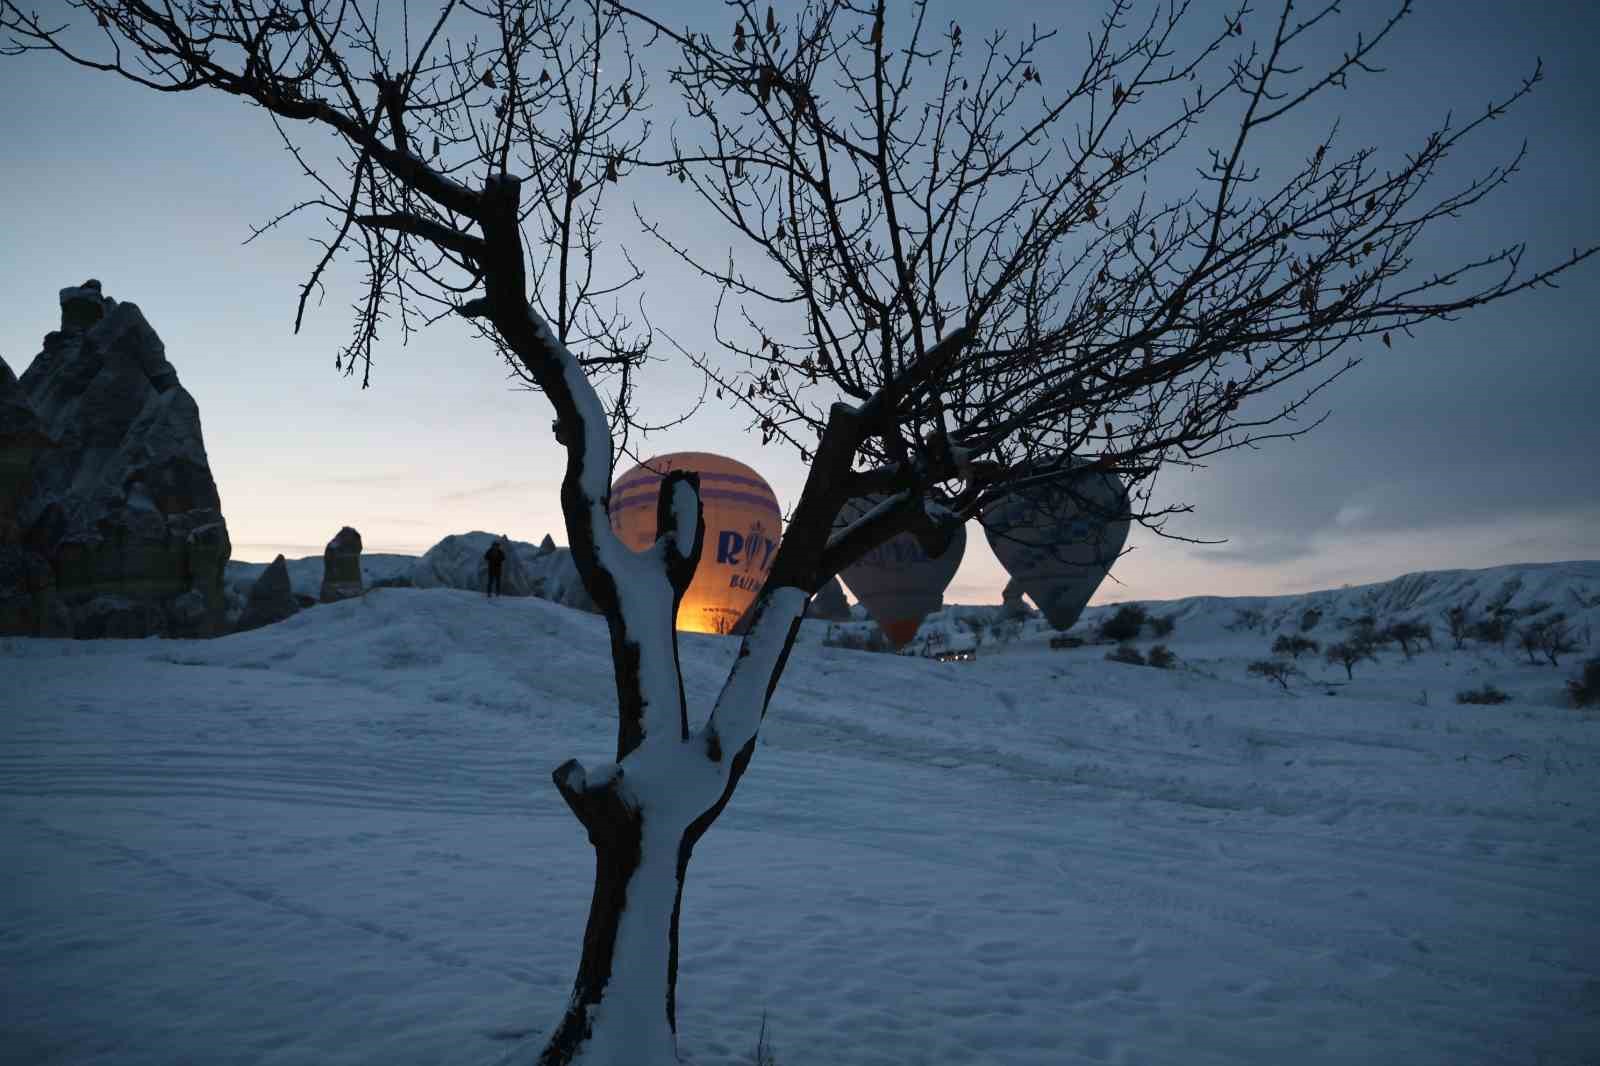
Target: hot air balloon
{"x":1058,"y":540}
{"x":898,"y":582}
{"x":742,"y":529}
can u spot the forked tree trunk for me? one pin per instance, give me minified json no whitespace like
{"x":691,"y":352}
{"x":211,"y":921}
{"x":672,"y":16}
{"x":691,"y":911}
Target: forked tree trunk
{"x":622,"y":1005}
{"x":623,"y":1009}
{"x":645,"y":813}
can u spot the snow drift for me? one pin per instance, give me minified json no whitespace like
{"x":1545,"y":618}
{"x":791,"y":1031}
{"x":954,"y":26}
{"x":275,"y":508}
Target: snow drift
{"x":333,"y":840}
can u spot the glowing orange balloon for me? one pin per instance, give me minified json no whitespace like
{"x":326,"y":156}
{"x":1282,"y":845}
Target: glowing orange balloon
{"x":743,"y":524}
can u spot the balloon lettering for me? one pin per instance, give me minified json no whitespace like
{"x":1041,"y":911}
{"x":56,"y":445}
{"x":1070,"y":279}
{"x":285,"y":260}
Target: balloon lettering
{"x":742,"y":518}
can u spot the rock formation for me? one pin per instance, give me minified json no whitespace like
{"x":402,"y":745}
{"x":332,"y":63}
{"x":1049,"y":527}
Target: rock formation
{"x":341,"y":567}
{"x":22,"y":437}
{"x":118,"y":502}
{"x":271,"y":598}
{"x":545,"y":571}
{"x":559,"y":582}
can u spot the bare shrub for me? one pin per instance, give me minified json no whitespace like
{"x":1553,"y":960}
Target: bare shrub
{"x":1458,"y":623}
{"x":1493,"y":629}
{"x":1125,"y":624}
{"x":1550,"y":637}
{"x":1126,"y":653}
{"x":1274,"y":669}
{"x":1294,"y":646}
{"x":1349,"y":652}
{"x":1556,"y":639}
{"x":1410,"y":636}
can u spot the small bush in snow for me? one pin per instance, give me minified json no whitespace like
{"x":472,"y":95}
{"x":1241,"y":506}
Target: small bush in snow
{"x":1162,"y":625}
{"x":1487,"y":694}
{"x":1458,"y":623}
{"x":1294,"y":646}
{"x":1161,"y":657}
{"x":1275,"y":669}
{"x":1064,"y":641}
{"x":1309,"y":620}
{"x":1125,"y":624}
{"x":1585,"y":689}
{"x":1126,"y":653}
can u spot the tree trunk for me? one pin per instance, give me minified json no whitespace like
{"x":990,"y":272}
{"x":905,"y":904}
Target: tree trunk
{"x":622,"y":1010}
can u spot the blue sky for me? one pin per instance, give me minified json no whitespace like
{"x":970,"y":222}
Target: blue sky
{"x":1471,"y":444}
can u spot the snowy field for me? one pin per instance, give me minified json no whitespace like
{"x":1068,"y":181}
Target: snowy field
{"x":335,"y":841}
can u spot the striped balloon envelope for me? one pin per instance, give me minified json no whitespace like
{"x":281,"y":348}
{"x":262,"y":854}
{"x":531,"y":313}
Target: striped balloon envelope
{"x":898,"y":582}
{"x":743,"y":525}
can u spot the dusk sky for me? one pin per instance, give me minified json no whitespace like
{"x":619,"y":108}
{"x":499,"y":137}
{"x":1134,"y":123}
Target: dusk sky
{"x":1471,"y":444}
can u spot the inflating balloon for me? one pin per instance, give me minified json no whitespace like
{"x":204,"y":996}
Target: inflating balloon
{"x":1058,"y":540}
{"x":742,"y":529}
{"x":898,"y":582}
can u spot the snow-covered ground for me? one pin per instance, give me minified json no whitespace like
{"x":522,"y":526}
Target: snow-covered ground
{"x":335,"y":840}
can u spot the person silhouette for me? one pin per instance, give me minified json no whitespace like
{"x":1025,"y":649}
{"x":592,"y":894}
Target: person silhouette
{"x":496,"y":558}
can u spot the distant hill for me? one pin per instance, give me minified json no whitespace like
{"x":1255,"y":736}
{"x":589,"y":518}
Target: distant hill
{"x":1521,"y":592}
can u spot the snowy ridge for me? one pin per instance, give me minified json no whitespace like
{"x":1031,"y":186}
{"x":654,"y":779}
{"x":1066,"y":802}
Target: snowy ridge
{"x":335,"y":840}
{"x":1525,"y":591}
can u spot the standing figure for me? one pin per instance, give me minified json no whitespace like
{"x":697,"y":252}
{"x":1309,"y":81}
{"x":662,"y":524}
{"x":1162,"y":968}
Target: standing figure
{"x":496,"y":558}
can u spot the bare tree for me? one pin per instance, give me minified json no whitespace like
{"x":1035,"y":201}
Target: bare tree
{"x":1530,"y":638}
{"x":1410,"y":636}
{"x":1552,"y":637}
{"x":1294,"y":646}
{"x":1349,"y":652}
{"x":1458,"y":621}
{"x":1275,"y":669}
{"x":957,"y":292}
{"x":895,"y":189}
